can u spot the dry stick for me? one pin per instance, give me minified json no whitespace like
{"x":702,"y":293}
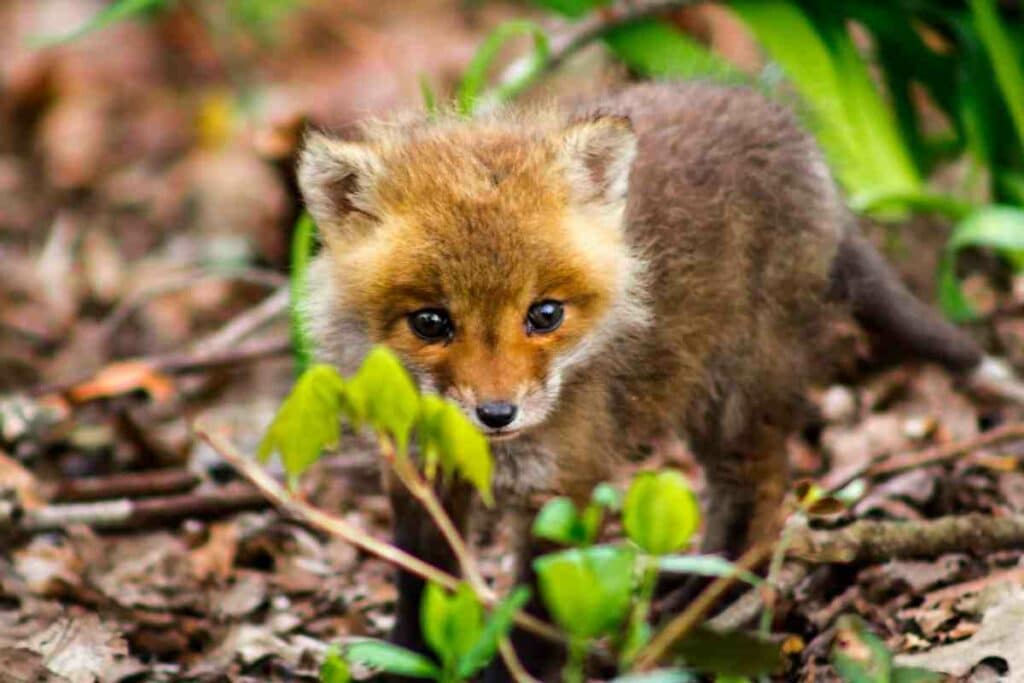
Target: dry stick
{"x":884,"y":466}
{"x":125,"y":513}
{"x":690,"y":618}
{"x":868,"y":541}
{"x":126,"y":485}
{"x":244,"y":324}
{"x":746,"y":608}
{"x":422,"y":491}
{"x":336,"y":526}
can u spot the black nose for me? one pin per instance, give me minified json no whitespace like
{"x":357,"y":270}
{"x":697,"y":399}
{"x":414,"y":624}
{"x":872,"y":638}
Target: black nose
{"x":497,"y":414}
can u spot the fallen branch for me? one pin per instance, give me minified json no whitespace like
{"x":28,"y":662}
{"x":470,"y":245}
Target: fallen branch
{"x":868,"y":541}
{"x":746,"y":608}
{"x":886,"y":465}
{"x":338,"y":527}
{"x":127,"y":485}
{"x":124,"y":513}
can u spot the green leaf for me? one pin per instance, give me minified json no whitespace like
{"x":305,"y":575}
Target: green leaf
{"x":497,"y":626}
{"x":996,"y":227}
{"x":658,"y":676}
{"x":730,"y":654}
{"x":858,"y":655}
{"x":334,"y":669}
{"x":307,"y":422}
{"x":706,"y":565}
{"x":912,"y":674}
{"x":451,"y":622}
{"x":385,"y":390}
{"x":660,"y":513}
{"x":847,"y":113}
{"x":573,"y":9}
{"x":607,"y":496}
{"x":474,"y":79}
{"x":111,"y":14}
{"x":303,"y":243}
{"x":1006,"y":60}
{"x":587,"y":590}
{"x":658,"y":50}
{"x":391,"y":659}
{"x":446,"y":434}
{"x":559,"y":521}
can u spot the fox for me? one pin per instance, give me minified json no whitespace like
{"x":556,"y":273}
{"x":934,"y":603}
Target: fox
{"x":664,"y":259}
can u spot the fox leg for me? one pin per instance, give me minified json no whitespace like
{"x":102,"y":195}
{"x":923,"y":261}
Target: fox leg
{"x":745,"y":489}
{"x":416,"y":533}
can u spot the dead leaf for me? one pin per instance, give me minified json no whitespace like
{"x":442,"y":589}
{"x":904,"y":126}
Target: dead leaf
{"x":999,"y":636}
{"x":15,"y":478}
{"x":79,"y":649}
{"x":216,"y":557}
{"x":122,"y":378}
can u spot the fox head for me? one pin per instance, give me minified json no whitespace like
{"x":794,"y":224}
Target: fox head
{"x":490,"y":255}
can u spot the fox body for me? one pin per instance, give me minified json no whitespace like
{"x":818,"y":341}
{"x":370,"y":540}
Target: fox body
{"x":663,"y":260}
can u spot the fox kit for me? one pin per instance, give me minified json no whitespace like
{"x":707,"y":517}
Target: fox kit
{"x":663,"y":260}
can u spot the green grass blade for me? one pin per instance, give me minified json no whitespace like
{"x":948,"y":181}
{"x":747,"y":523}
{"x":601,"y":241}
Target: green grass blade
{"x":1006,"y":60}
{"x":655,"y":49}
{"x":471,"y":90}
{"x":303,"y":243}
{"x":111,"y":14}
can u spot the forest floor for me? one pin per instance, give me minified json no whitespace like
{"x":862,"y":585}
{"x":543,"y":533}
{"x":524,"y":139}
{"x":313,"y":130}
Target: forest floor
{"x":146,"y":204}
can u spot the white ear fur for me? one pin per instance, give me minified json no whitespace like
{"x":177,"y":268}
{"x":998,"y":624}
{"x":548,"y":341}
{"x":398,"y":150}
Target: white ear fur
{"x":337,"y":179}
{"x":598,"y":154}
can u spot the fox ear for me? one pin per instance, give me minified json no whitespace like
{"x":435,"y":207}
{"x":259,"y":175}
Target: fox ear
{"x":337,"y":180}
{"x":598,"y":155}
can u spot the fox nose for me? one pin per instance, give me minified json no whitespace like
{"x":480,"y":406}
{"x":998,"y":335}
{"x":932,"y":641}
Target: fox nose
{"x":497,"y":414}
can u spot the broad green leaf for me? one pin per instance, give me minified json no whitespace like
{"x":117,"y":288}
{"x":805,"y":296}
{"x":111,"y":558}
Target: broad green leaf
{"x":475,"y":78}
{"x":858,"y":655}
{"x":497,"y":626}
{"x":303,"y":243}
{"x":659,"y":676}
{"x":559,"y":521}
{"x":334,"y":669}
{"x":706,"y":565}
{"x":607,"y":496}
{"x":996,"y":227}
{"x":656,"y":49}
{"x":111,"y":14}
{"x":1005,"y":58}
{"x":390,"y":658}
{"x":307,"y":422}
{"x":730,"y":654}
{"x":587,"y":590}
{"x":847,"y":113}
{"x":573,"y":9}
{"x":660,"y":513}
{"x":451,"y":622}
{"x":391,"y":400}
{"x":428,"y":431}
{"x":461,"y":443}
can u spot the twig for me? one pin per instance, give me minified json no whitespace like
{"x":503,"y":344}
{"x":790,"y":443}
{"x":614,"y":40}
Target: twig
{"x":126,"y":485}
{"x":746,"y":608}
{"x":340,"y":528}
{"x":125,"y":513}
{"x":201,"y":361}
{"x":180,"y":281}
{"x":601,"y":23}
{"x":884,"y":465}
{"x":868,"y":541}
{"x":244,"y":324}
{"x":691,"y":617}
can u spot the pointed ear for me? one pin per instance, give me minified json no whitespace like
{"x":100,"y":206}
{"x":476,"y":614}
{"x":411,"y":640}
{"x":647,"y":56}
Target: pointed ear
{"x":337,"y":180}
{"x":598,"y":155}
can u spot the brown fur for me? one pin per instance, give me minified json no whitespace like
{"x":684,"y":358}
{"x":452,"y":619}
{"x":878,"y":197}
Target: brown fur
{"x":694,"y":299}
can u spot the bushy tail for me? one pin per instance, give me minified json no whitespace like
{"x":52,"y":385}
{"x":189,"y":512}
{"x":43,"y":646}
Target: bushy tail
{"x":883,"y":304}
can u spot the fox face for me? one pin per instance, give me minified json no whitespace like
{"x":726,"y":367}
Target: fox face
{"x":489,"y":256}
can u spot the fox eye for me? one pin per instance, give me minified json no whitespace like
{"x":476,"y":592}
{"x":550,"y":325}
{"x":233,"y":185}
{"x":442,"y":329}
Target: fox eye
{"x":544,"y":316}
{"x":432,"y":325}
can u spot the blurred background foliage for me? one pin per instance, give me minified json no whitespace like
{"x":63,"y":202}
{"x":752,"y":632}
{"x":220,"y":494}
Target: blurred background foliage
{"x":896,"y":91}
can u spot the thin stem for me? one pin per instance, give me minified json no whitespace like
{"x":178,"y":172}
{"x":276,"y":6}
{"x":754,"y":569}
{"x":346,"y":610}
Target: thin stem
{"x":340,"y":528}
{"x":691,"y":617}
{"x":772,"y":580}
{"x":573,"y":672}
{"x":642,"y":607}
